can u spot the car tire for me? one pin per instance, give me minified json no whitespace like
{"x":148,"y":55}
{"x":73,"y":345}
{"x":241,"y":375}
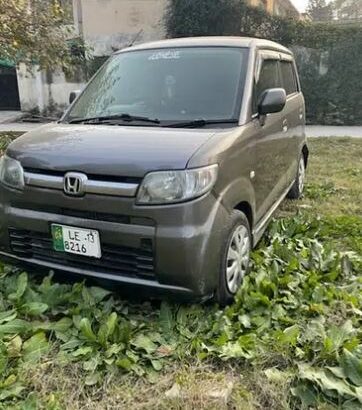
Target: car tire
{"x":235,"y":257}
{"x":296,"y":190}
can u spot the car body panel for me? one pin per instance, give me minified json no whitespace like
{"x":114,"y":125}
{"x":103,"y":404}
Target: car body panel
{"x":107,"y":150}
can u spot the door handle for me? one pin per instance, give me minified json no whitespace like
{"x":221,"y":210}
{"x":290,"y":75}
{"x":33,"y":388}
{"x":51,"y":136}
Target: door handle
{"x":285,"y":126}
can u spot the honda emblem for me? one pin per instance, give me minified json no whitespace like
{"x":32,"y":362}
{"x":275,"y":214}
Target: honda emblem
{"x":75,"y":183}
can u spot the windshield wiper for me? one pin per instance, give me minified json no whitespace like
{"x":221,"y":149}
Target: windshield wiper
{"x":200,"y":123}
{"x":113,"y":118}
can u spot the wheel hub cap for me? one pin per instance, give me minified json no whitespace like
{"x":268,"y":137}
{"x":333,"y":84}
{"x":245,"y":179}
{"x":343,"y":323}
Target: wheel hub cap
{"x":237,"y":258}
{"x":301,"y":174}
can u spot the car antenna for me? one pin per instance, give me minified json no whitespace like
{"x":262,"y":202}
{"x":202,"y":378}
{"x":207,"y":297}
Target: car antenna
{"x":136,"y":37}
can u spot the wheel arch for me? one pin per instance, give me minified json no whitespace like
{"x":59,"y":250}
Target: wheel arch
{"x":305,"y":153}
{"x":245,"y":207}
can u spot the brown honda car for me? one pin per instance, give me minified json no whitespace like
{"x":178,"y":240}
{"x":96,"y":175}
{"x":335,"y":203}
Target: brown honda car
{"x":164,"y":171}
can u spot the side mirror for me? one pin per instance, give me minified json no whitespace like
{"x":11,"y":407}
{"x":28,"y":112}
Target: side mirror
{"x":73,"y":95}
{"x":272,"y":100}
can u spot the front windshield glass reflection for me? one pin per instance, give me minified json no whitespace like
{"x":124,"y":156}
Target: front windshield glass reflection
{"x":180,"y":84}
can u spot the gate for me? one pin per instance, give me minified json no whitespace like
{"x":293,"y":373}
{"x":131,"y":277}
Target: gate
{"x":9,"y":92}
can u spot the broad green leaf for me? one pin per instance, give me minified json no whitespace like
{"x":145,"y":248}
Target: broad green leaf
{"x":76,"y":321}
{"x":109,"y":361}
{"x":9,"y":381}
{"x":34,"y":308}
{"x":352,"y":405}
{"x":325,"y":380}
{"x":88,"y":298}
{"x":338,"y":335}
{"x":233,"y":350}
{"x":337,"y":371}
{"x":62,"y":325}
{"x":35,"y":347}
{"x":144,"y":343}
{"x":14,"y":327}
{"x":82,"y":351}
{"x":114,"y":349}
{"x":14,"y":391}
{"x":21,"y":284}
{"x":86,"y":329}
{"x":306,"y":394}
{"x":290,"y":335}
{"x":359,"y":393}
{"x":31,"y":403}
{"x":245,"y":320}
{"x":98,"y":293}
{"x":3,"y":357}
{"x":14,"y":346}
{"x":181,"y":316}
{"x":123,"y":331}
{"x":92,"y":364}
{"x":166,"y":318}
{"x":139,"y":370}
{"x":157,"y":365}
{"x":133,"y":356}
{"x":71,"y":344}
{"x":352,"y":367}
{"x":124,"y":363}
{"x":7,"y":316}
{"x":107,"y":329}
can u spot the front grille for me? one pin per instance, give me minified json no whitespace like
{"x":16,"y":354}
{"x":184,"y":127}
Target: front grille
{"x":93,"y":215}
{"x":117,"y":260}
{"x":95,"y":177}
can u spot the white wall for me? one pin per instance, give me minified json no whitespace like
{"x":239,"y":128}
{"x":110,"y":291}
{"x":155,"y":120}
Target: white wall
{"x":108,"y":25}
{"x":36,"y":93}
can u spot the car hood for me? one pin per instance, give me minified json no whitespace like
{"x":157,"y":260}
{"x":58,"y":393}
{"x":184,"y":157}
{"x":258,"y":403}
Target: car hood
{"x":107,"y":150}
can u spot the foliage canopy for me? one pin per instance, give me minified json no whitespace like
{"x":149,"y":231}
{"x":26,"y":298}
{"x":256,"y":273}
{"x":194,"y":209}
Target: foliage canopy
{"x":329,"y":56}
{"x":320,"y":10}
{"x":34,"y":32}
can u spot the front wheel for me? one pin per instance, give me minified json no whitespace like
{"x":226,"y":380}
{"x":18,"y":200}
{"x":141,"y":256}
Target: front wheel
{"x":235,"y":257}
{"x":296,"y":190}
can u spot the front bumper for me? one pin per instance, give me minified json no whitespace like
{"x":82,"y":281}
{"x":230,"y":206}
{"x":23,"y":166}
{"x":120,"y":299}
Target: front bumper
{"x":183,"y":239}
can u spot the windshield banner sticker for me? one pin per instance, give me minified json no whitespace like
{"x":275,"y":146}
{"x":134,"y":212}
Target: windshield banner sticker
{"x":165,"y":55}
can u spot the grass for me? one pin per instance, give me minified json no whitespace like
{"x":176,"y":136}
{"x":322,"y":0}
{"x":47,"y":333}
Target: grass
{"x":6,"y":138}
{"x":334,"y":178}
{"x":291,"y":340}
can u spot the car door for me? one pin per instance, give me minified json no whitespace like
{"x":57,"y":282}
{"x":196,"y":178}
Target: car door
{"x":271,"y":140}
{"x":294,"y":113}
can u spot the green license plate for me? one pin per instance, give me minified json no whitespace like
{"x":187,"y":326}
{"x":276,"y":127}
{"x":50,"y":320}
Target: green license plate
{"x":77,"y":241}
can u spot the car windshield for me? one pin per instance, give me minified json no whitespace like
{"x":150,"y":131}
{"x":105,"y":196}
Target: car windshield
{"x":182,"y":84}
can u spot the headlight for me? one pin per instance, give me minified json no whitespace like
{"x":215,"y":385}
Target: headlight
{"x":11,"y":173}
{"x":176,"y":186}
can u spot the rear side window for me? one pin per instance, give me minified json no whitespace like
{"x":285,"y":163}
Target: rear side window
{"x":288,"y":77}
{"x":268,"y":78}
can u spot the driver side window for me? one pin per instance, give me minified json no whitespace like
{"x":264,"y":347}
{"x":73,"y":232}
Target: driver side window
{"x":268,"y":78}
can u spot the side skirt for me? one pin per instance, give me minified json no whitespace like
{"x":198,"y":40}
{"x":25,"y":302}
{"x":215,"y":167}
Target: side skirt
{"x":263,"y":223}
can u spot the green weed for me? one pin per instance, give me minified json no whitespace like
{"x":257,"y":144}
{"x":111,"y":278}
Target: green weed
{"x":284,"y":321}
{"x":292,"y":339}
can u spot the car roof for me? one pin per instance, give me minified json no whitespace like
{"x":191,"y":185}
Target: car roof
{"x":214,"y":41}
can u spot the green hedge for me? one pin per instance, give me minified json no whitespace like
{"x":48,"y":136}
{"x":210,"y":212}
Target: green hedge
{"x":329,"y":56}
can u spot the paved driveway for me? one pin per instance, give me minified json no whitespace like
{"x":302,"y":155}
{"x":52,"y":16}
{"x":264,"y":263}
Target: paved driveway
{"x":333,"y":131}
